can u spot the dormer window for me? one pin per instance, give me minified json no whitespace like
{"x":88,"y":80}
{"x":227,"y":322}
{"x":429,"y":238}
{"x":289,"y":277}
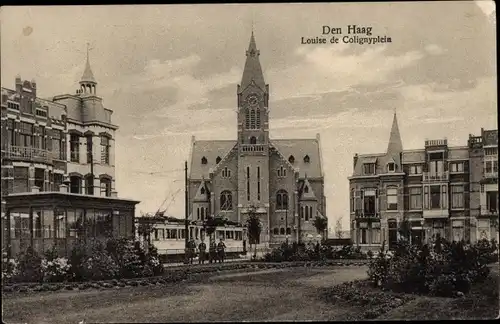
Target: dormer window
{"x":218,"y":159}
{"x":391,"y":167}
{"x":291,"y":159}
{"x":203,"y":160}
{"x":202,"y":191}
{"x":306,"y":159}
{"x":369,"y":168}
{"x":306,"y":189}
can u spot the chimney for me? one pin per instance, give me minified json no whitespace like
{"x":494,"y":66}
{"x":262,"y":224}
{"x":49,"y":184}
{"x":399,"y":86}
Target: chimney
{"x":35,"y":189}
{"x":63,"y":188}
{"x":355,"y":160}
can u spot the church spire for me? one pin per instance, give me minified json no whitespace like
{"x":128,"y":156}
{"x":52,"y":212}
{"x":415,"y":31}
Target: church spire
{"x":252,"y":70}
{"x":395,"y":145}
{"x":88,"y":82}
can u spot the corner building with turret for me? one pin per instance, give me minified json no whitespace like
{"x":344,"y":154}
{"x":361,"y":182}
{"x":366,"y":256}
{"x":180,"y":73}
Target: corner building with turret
{"x":281,"y":179}
{"x":439,"y":189}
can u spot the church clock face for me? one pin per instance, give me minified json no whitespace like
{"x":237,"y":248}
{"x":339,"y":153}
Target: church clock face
{"x":253,"y":100}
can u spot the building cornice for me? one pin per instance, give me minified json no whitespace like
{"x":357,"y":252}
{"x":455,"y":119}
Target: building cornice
{"x":92,"y":123}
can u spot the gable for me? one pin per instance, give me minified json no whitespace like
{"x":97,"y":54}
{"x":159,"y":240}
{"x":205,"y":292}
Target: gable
{"x":300,"y":148}
{"x":210,"y":150}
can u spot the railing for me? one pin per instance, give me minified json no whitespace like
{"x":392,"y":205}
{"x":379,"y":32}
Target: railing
{"x":439,"y":142}
{"x":28,"y":153}
{"x":491,"y":174}
{"x":488,"y":212}
{"x":427,"y":176}
{"x":363,"y":214}
{"x":253,"y":147}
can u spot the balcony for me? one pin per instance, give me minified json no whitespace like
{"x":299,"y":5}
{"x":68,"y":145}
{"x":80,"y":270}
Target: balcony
{"x":28,"y":153}
{"x":253,"y":148}
{"x":491,"y":175}
{"x":360,"y":214}
{"x":439,"y":142}
{"x":435,"y":177}
{"x":435,"y":213}
{"x":488,"y":212}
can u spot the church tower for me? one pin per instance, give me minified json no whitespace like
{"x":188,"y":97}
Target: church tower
{"x":253,"y":136}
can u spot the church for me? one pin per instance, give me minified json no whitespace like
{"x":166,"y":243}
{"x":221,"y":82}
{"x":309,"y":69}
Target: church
{"x":281,"y":180}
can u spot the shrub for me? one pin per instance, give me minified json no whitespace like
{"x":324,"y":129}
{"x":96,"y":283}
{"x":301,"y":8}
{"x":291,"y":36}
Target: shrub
{"x":127,"y":255}
{"x":441,"y":269}
{"x":55,"y":270}
{"x":29,"y":266}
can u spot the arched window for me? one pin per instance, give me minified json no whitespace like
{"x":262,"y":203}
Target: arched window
{"x":352,"y":200}
{"x":282,"y":231}
{"x":252,"y":119}
{"x":198,"y":213}
{"x":301,"y":212}
{"x":202,"y":213}
{"x":306,"y":189}
{"x":257,"y":124}
{"x":281,"y":200}
{"x":202,"y":190}
{"x":218,"y":159}
{"x":275,"y":231}
{"x":253,"y":140}
{"x":75,"y":185}
{"x":106,"y":187}
{"x":311,"y":215}
{"x":226,"y":200}
{"x":306,"y":159}
{"x":203,"y":160}
{"x":288,"y":231}
{"x":307,"y":213}
{"x":247,"y":119}
{"x":281,"y":172}
{"x":89,"y":184}
{"x":291,"y":159}
{"x":226,"y":173}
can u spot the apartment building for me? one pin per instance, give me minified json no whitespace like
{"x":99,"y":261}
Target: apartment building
{"x":58,"y":169}
{"x":440,"y":189}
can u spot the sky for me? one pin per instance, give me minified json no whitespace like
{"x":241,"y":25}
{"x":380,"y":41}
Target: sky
{"x":170,"y":72}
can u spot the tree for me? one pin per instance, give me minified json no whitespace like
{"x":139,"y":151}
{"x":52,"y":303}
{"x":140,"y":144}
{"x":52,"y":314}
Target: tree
{"x":321,"y":224}
{"x":210,"y":224}
{"x":254,"y":228}
{"x":338,"y":228}
{"x":144,"y":229}
{"x":404,"y":229}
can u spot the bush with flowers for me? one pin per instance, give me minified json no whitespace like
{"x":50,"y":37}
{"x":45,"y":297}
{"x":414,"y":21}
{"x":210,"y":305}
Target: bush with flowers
{"x":441,"y":268}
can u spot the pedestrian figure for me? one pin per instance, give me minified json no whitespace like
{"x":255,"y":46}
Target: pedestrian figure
{"x":220,"y":250}
{"x":202,"y":247}
{"x":191,"y":250}
{"x":212,"y":251}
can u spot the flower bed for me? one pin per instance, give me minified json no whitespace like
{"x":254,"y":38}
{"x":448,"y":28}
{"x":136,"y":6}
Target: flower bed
{"x":301,"y":252}
{"x":170,"y":276}
{"x":360,"y":294}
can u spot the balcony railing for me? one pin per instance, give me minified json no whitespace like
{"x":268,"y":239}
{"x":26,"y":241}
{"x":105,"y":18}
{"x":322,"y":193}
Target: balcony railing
{"x":253,"y":147}
{"x":363,"y":214}
{"x":28,"y":153}
{"x":492,"y":175}
{"x":427,"y":176}
{"x":439,"y":142}
{"x":488,"y":212}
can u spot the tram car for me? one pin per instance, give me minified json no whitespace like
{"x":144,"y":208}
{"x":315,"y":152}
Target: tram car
{"x":168,"y":235}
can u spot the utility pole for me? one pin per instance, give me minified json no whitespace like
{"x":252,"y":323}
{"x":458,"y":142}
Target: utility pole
{"x":286,"y":224}
{"x":186,"y":210}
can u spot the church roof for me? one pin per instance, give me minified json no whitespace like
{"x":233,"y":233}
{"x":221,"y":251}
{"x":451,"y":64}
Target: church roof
{"x":300,"y":148}
{"x":252,"y":70}
{"x":209,"y":150}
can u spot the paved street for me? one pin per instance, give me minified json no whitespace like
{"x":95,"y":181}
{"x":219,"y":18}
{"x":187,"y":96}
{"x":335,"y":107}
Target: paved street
{"x":268,"y":295}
